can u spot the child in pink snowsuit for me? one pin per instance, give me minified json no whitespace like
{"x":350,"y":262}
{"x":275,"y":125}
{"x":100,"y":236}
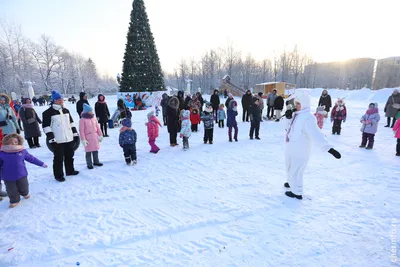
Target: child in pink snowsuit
{"x":152,"y":131}
{"x":320,"y":114}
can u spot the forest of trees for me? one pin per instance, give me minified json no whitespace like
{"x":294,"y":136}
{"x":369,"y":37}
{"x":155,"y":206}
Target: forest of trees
{"x":47,"y":64}
{"x":245,"y":72}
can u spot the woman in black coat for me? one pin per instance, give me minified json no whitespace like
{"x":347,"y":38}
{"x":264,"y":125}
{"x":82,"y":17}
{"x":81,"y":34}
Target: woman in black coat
{"x":325,"y":100}
{"x":173,"y":120}
{"x":278,"y":107}
{"x":102,"y":113}
{"x":30,"y":121}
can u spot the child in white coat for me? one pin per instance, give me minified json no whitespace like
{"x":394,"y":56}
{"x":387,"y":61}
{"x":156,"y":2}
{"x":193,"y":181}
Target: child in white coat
{"x":185,"y":129}
{"x":301,"y":131}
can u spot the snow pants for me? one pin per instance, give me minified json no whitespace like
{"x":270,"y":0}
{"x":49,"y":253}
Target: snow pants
{"x":295,"y":164}
{"x":17,"y":188}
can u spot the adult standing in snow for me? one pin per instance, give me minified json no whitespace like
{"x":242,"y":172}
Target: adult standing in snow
{"x":214,"y":99}
{"x":301,"y":131}
{"x":187,"y":101}
{"x":8,"y":120}
{"x":260,"y":103}
{"x":102,"y":113}
{"x":173,"y":120}
{"x":200,"y":97}
{"x":391,"y":107}
{"x":278,"y":107}
{"x":79,"y":104}
{"x":270,"y":103}
{"x":31,"y":122}
{"x":164,"y":105}
{"x":62,"y":135}
{"x":230,"y":97}
{"x":247,"y":100}
{"x":181,"y":101}
{"x":325,"y":100}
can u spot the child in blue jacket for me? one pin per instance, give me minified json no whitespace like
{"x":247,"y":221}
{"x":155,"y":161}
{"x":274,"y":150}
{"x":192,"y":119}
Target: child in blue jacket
{"x":127,"y":140}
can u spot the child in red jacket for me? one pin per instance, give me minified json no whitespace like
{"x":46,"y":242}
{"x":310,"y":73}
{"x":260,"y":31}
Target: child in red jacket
{"x":194,"y":119}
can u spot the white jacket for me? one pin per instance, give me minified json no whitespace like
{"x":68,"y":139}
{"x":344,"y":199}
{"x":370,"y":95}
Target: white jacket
{"x":60,"y":125}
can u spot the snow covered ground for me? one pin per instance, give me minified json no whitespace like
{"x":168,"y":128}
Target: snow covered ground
{"x":214,"y":205}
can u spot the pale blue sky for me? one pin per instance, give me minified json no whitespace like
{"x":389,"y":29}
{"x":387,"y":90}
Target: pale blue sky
{"x":329,"y":30}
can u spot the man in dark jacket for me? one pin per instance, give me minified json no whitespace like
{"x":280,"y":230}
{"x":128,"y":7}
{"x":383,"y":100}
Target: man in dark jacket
{"x":270,"y":103}
{"x":181,"y":101}
{"x":79,"y":104}
{"x":278,"y":107}
{"x":255,"y":118}
{"x":200,"y":98}
{"x":247,"y":100}
{"x":62,"y":137}
{"x":164,"y":105}
{"x":214,"y":99}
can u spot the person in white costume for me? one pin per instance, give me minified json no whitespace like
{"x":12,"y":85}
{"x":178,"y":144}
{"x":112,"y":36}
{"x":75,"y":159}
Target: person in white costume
{"x":301,"y":131}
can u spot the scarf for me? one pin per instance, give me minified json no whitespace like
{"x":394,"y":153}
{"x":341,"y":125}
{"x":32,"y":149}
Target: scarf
{"x":57,"y":107}
{"x":87,"y":116}
{"x":101,"y":102}
{"x":340,"y":107}
{"x":371,"y":111}
{"x":294,"y":118}
{"x":124,"y":128}
{"x":27,"y":105}
{"x":12,"y":148}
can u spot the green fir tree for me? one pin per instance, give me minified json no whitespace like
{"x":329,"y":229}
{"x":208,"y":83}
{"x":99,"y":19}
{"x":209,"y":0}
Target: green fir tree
{"x":141,"y":66}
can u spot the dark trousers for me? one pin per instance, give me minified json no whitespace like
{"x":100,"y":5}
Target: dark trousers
{"x":398,"y":146}
{"x":235,"y":134}
{"x":185,"y":142}
{"x":172,"y":136}
{"x":89,"y":161}
{"x":215,"y":113}
{"x":165,"y":120}
{"x":246,"y":113}
{"x":19,"y":124}
{"x":18,"y":188}
{"x":255,"y":126}
{"x":33,"y":142}
{"x":63,"y":153}
{"x":221,"y":124}
{"x":208,"y":135}
{"x":270,"y":110}
{"x":194,"y":127}
{"x":103,"y":127}
{"x":367,"y":137}
{"x":388,"y":122}
{"x":129,"y":152}
{"x":337,"y":126}
{"x":261,"y":114}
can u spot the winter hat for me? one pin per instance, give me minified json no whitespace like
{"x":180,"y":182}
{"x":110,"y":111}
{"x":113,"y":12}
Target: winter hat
{"x":150,"y":114}
{"x":55,"y":96}
{"x":173,"y":102}
{"x":8,"y":147}
{"x":208,"y":108}
{"x":3,"y":98}
{"x":303,"y":97}
{"x":373,"y":105}
{"x":195,"y":111}
{"x":186,"y":114}
{"x":25,"y":100}
{"x":230,"y":95}
{"x":127,"y":123}
{"x":260,"y":93}
{"x":87,"y":108}
{"x":101,"y":96}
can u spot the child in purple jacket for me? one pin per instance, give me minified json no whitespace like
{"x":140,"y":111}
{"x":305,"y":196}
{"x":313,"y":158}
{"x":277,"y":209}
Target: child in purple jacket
{"x":369,"y":126}
{"x":14,"y":173}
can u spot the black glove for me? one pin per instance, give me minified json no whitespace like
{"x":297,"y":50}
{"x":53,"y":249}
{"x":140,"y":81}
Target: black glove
{"x":334,"y":153}
{"x":289,"y":113}
{"x":18,"y":131}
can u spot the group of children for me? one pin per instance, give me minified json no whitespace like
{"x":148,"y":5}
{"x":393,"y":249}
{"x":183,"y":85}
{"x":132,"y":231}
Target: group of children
{"x":369,"y":123}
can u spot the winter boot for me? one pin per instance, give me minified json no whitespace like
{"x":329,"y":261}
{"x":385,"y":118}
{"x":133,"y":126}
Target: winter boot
{"x":60,"y":179}
{"x":290,"y":194}
{"x":362,"y":146}
{"x":73,"y":173}
{"x":286,"y":185}
{"x":90,"y":167}
{"x":13,"y":205}
{"x":2,"y":193}
{"x":368,"y":148}
{"x":230,"y":139}
{"x":258,"y":138}
{"x":27,"y":196}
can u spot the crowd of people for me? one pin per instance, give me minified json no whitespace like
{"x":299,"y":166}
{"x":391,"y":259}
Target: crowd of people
{"x":181,"y":116}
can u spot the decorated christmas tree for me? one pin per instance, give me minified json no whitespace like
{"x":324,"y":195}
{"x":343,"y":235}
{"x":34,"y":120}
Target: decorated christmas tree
{"x":141,"y":70}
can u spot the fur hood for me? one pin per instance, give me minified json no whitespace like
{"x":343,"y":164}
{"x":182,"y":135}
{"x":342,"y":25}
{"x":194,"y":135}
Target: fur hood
{"x":173,"y":102}
{"x":7,"y":97}
{"x":7,"y":147}
{"x":340,"y":100}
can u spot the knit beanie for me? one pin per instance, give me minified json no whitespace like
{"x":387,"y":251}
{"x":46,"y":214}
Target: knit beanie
{"x":127,"y":123}
{"x":150,"y":114}
{"x":55,"y":96}
{"x":87,"y":108}
{"x":230,"y":95}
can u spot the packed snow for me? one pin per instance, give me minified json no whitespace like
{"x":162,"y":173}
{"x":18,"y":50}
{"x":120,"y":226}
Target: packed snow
{"x":213,"y":205}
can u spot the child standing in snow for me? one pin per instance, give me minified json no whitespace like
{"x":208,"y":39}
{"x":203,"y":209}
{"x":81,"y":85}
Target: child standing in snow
{"x":194,"y":119}
{"x":231,"y":121}
{"x":152,"y":131}
{"x":369,"y":125}
{"x":127,"y":140}
{"x":396,"y":130}
{"x":157,"y":110}
{"x":91,"y":136}
{"x":338,"y":115}
{"x":221,"y":116}
{"x":14,"y":172}
{"x":185,"y":129}
{"x":320,"y":114}
{"x":208,"y":121}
